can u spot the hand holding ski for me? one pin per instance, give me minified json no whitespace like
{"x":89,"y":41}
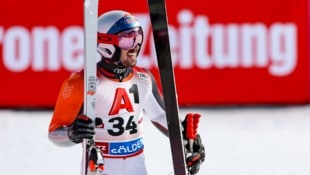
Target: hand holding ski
{"x":82,"y":128}
{"x":194,"y":149}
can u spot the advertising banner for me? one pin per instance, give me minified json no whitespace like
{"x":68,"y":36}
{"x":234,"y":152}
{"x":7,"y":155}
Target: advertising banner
{"x":224,"y":52}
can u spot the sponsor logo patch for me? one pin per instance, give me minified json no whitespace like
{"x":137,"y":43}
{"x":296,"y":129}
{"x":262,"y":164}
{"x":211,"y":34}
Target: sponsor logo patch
{"x":121,"y":148}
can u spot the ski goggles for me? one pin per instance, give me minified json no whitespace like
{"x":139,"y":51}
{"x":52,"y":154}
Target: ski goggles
{"x":126,"y":40}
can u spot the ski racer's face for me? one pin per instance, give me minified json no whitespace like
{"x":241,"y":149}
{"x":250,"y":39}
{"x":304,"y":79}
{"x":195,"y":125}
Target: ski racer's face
{"x":129,"y":56}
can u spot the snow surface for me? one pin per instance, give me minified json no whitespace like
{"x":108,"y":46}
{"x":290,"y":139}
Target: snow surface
{"x":239,"y":141}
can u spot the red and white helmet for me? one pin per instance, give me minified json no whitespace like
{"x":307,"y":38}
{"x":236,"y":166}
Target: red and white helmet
{"x":117,"y":29}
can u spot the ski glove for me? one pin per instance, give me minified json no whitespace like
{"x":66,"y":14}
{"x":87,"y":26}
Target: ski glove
{"x":194,"y":149}
{"x":81,"y":128}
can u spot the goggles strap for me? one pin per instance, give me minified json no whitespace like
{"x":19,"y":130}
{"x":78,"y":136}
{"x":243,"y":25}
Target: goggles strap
{"x":107,"y":38}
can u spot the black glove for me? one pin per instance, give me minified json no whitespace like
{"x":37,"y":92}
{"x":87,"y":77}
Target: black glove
{"x":197,"y":157}
{"x":81,"y":128}
{"x":194,"y":149}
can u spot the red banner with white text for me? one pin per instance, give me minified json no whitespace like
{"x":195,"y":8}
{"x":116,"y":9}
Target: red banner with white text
{"x":224,"y":52}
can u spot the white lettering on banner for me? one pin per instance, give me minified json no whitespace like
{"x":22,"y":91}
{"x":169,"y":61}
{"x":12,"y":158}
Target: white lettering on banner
{"x":237,"y":45}
{"x":42,"y":49}
{"x":45,"y":42}
{"x":16,"y":49}
{"x":196,"y":43}
{"x":73,"y":39}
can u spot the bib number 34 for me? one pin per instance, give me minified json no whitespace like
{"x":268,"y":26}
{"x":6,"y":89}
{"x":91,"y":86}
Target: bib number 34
{"x":120,"y":125}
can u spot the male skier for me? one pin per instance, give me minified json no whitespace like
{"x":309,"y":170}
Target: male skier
{"x":124,"y":93}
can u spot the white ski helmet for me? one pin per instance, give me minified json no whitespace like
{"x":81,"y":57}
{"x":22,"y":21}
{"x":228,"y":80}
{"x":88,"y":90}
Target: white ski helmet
{"x":117,"y":29}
